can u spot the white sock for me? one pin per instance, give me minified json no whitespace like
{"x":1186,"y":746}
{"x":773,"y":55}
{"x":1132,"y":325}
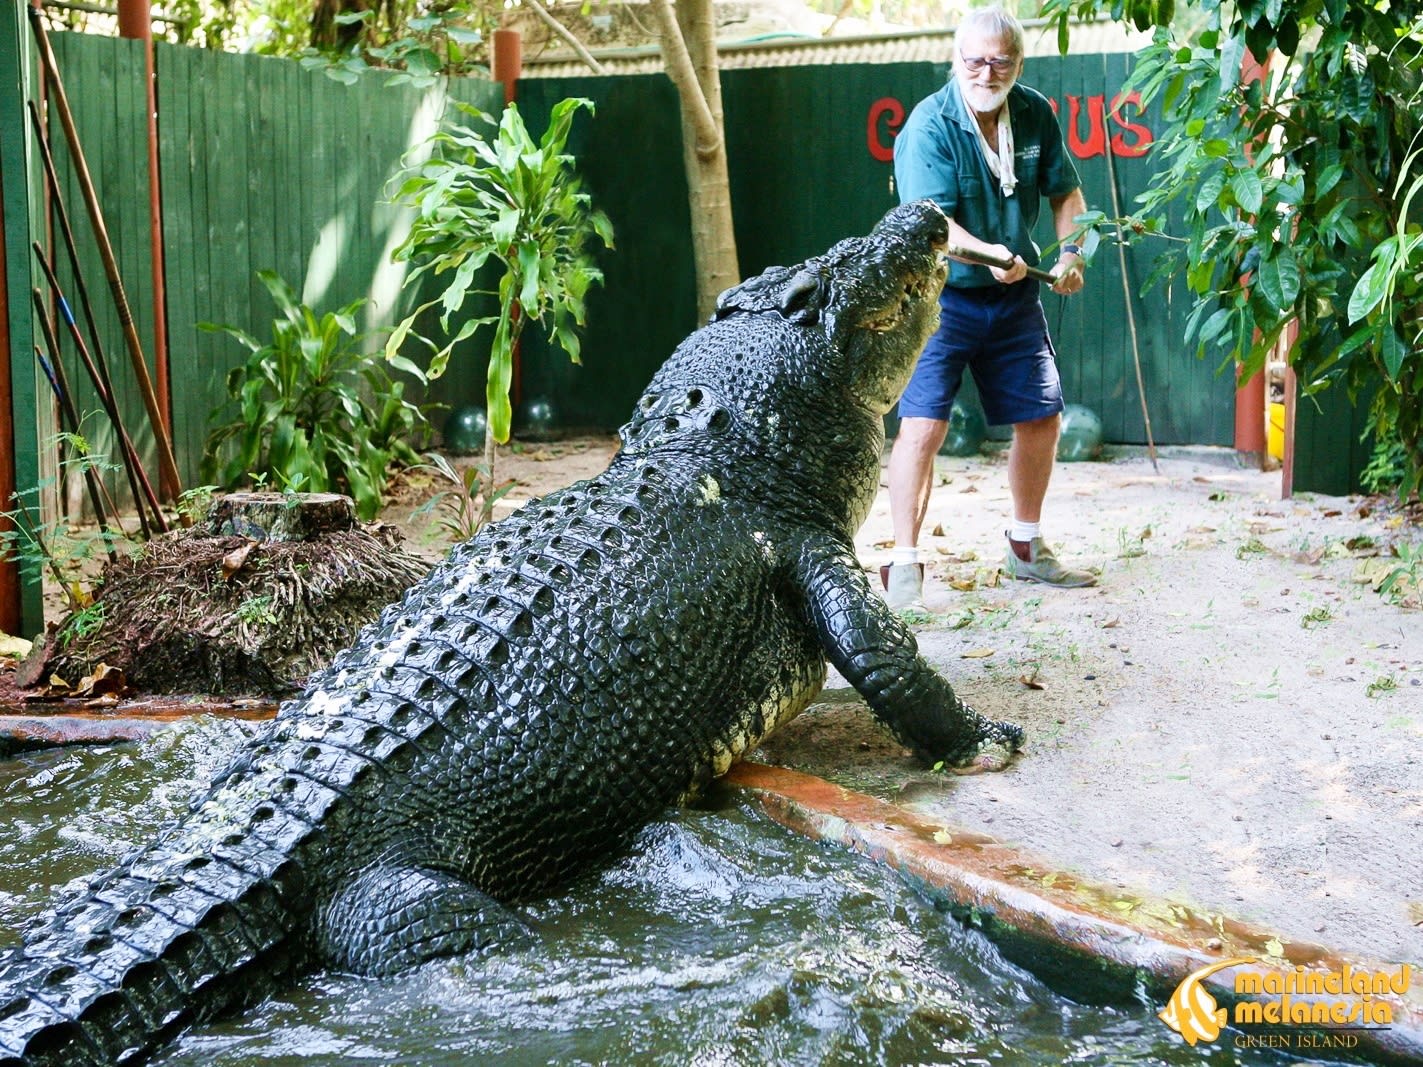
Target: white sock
{"x":1024,"y":531}
{"x":904,"y":555}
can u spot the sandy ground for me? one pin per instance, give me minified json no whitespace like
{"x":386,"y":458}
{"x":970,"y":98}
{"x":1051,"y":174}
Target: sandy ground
{"x":1231,"y":720}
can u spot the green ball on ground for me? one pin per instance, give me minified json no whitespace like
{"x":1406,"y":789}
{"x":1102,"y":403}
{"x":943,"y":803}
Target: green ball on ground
{"x":465,"y":429}
{"x":967,"y":429}
{"x":1081,"y":437}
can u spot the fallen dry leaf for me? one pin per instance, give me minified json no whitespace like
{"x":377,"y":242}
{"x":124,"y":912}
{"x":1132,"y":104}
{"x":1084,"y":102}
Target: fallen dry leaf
{"x":1111,"y":624}
{"x":943,"y":837}
{"x":1032,"y":681}
{"x":105,"y":679}
{"x":108,"y":700}
{"x":887,"y":543}
{"x":977,"y":653}
{"x":950,"y":556}
{"x":1201,"y":529}
{"x":969,"y":489}
{"x":938,"y":530}
{"x":963,"y":585}
{"x":235,"y":560}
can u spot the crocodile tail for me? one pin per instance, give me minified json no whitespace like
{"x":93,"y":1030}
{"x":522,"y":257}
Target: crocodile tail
{"x":189,"y":928}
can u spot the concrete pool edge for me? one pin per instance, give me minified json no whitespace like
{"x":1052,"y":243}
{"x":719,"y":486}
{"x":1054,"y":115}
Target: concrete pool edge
{"x":1064,"y":928}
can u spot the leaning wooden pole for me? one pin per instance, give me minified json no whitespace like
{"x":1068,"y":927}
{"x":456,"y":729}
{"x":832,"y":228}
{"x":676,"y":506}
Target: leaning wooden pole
{"x":1131,"y":314}
{"x":167,"y":465}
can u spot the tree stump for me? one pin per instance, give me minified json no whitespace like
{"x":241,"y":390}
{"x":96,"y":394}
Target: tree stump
{"x":266,"y":590}
{"x":280,"y":516}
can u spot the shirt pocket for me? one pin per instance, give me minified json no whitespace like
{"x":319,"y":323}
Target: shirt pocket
{"x":1026,"y":171}
{"x":970,"y":190}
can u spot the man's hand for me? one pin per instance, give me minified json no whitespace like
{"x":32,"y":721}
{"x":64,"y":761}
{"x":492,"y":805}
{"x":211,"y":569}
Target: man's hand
{"x":1008,"y":275}
{"x":1068,"y":273}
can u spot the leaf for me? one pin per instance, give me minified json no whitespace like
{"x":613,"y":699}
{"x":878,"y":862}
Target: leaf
{"x":1280,"y":278}
{"x":1393,"y":351}
{"x":977,"y":653}
{"x":529,"y":268}
{"x":1370,"y":290}
{"x":1248,"y":190}
{"x":943,"y":837}
{"x":1215,"y":324}
{"x":235,"y":560}
{"x":1032,"y":681}
{"x":1208,"y":193}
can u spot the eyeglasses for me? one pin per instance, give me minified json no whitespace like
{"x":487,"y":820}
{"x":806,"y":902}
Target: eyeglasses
{"x":977,"y":63}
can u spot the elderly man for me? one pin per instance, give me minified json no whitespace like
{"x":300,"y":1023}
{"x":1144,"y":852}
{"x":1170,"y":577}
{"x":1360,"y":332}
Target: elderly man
{"x":988,"y":149}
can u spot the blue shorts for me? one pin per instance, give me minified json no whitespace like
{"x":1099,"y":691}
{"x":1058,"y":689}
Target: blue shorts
{"x":999,"y":332}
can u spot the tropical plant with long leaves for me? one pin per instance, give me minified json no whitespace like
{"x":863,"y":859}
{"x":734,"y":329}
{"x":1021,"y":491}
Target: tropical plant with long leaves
{"x":513,"y":203}
{"x":315,"y":410}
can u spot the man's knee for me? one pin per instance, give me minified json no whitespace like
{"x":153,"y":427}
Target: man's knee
{"x":919,"y":436}
{"x":1039,"y":429}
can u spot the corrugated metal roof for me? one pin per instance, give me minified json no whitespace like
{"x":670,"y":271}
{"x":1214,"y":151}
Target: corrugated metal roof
{"x":791,"y":50}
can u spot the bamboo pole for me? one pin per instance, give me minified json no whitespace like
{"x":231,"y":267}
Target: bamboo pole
{"x":168,"y":466}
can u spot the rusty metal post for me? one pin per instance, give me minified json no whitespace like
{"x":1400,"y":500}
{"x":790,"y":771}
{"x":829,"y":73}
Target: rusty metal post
{"x":508,"y":61}
{"x":136,"y":22}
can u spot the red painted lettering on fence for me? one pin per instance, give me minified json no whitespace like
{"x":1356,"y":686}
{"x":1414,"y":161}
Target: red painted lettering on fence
{"x":1143,"y":135}
{"x":886,"y":116}
{"x":1096,"y":143}
{"x":891,"y":111}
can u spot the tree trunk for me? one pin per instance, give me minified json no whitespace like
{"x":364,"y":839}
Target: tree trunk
{"x":689,"y":54}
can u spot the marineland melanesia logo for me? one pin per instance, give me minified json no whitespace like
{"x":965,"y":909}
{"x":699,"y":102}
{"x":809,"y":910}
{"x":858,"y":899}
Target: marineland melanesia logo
{"x":1192,"y":1011}
{"x":1279,"y":1007}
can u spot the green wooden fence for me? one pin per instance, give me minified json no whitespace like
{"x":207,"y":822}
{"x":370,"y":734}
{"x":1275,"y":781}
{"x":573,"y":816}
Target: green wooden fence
{"x":808,"y":150}
{"x":265,"y":165}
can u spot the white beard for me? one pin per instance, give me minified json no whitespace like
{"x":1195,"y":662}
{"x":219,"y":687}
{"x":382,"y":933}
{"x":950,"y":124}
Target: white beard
{"x":984,"y":102}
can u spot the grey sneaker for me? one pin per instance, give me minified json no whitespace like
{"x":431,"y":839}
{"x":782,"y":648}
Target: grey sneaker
{"x":904,"y":587}
{"x":1042,"y":566}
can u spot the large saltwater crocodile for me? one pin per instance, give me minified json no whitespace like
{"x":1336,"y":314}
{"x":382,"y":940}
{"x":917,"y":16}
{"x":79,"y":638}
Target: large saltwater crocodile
{"x":549,"y":688}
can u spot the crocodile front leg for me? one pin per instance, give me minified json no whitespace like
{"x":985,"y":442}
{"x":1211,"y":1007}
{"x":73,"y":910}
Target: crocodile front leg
{"x":878,"y":655}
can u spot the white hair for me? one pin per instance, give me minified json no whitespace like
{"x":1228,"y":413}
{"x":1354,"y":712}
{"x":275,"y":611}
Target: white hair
{"x":994,"y":22}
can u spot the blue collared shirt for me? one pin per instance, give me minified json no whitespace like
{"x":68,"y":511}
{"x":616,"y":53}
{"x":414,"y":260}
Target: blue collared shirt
{"x":937,"y":155}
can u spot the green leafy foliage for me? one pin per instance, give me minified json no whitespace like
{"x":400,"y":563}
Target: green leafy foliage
{"x":1298,"y":191}
{"x":64,"y":550}
{"x":460,"y":507}
{"x":418,"y":48}
{"x":518,"y":204}
{"x":314,"y":411}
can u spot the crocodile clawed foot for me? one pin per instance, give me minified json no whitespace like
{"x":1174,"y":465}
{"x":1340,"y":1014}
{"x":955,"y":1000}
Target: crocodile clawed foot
{"x":998,"y":743}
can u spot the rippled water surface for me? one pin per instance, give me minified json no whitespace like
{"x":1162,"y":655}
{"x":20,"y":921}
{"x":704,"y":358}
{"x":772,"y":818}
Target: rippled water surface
{"x":723,"y":939}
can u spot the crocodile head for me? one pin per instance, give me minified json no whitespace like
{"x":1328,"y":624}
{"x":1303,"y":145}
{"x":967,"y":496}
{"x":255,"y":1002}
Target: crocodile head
{"x":874,"y":298}
{"x":782,"y":394}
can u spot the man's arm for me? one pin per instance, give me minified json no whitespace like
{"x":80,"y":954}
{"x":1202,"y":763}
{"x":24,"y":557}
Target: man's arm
{"x":1065,"y":209}
{"x":961,"y":237}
